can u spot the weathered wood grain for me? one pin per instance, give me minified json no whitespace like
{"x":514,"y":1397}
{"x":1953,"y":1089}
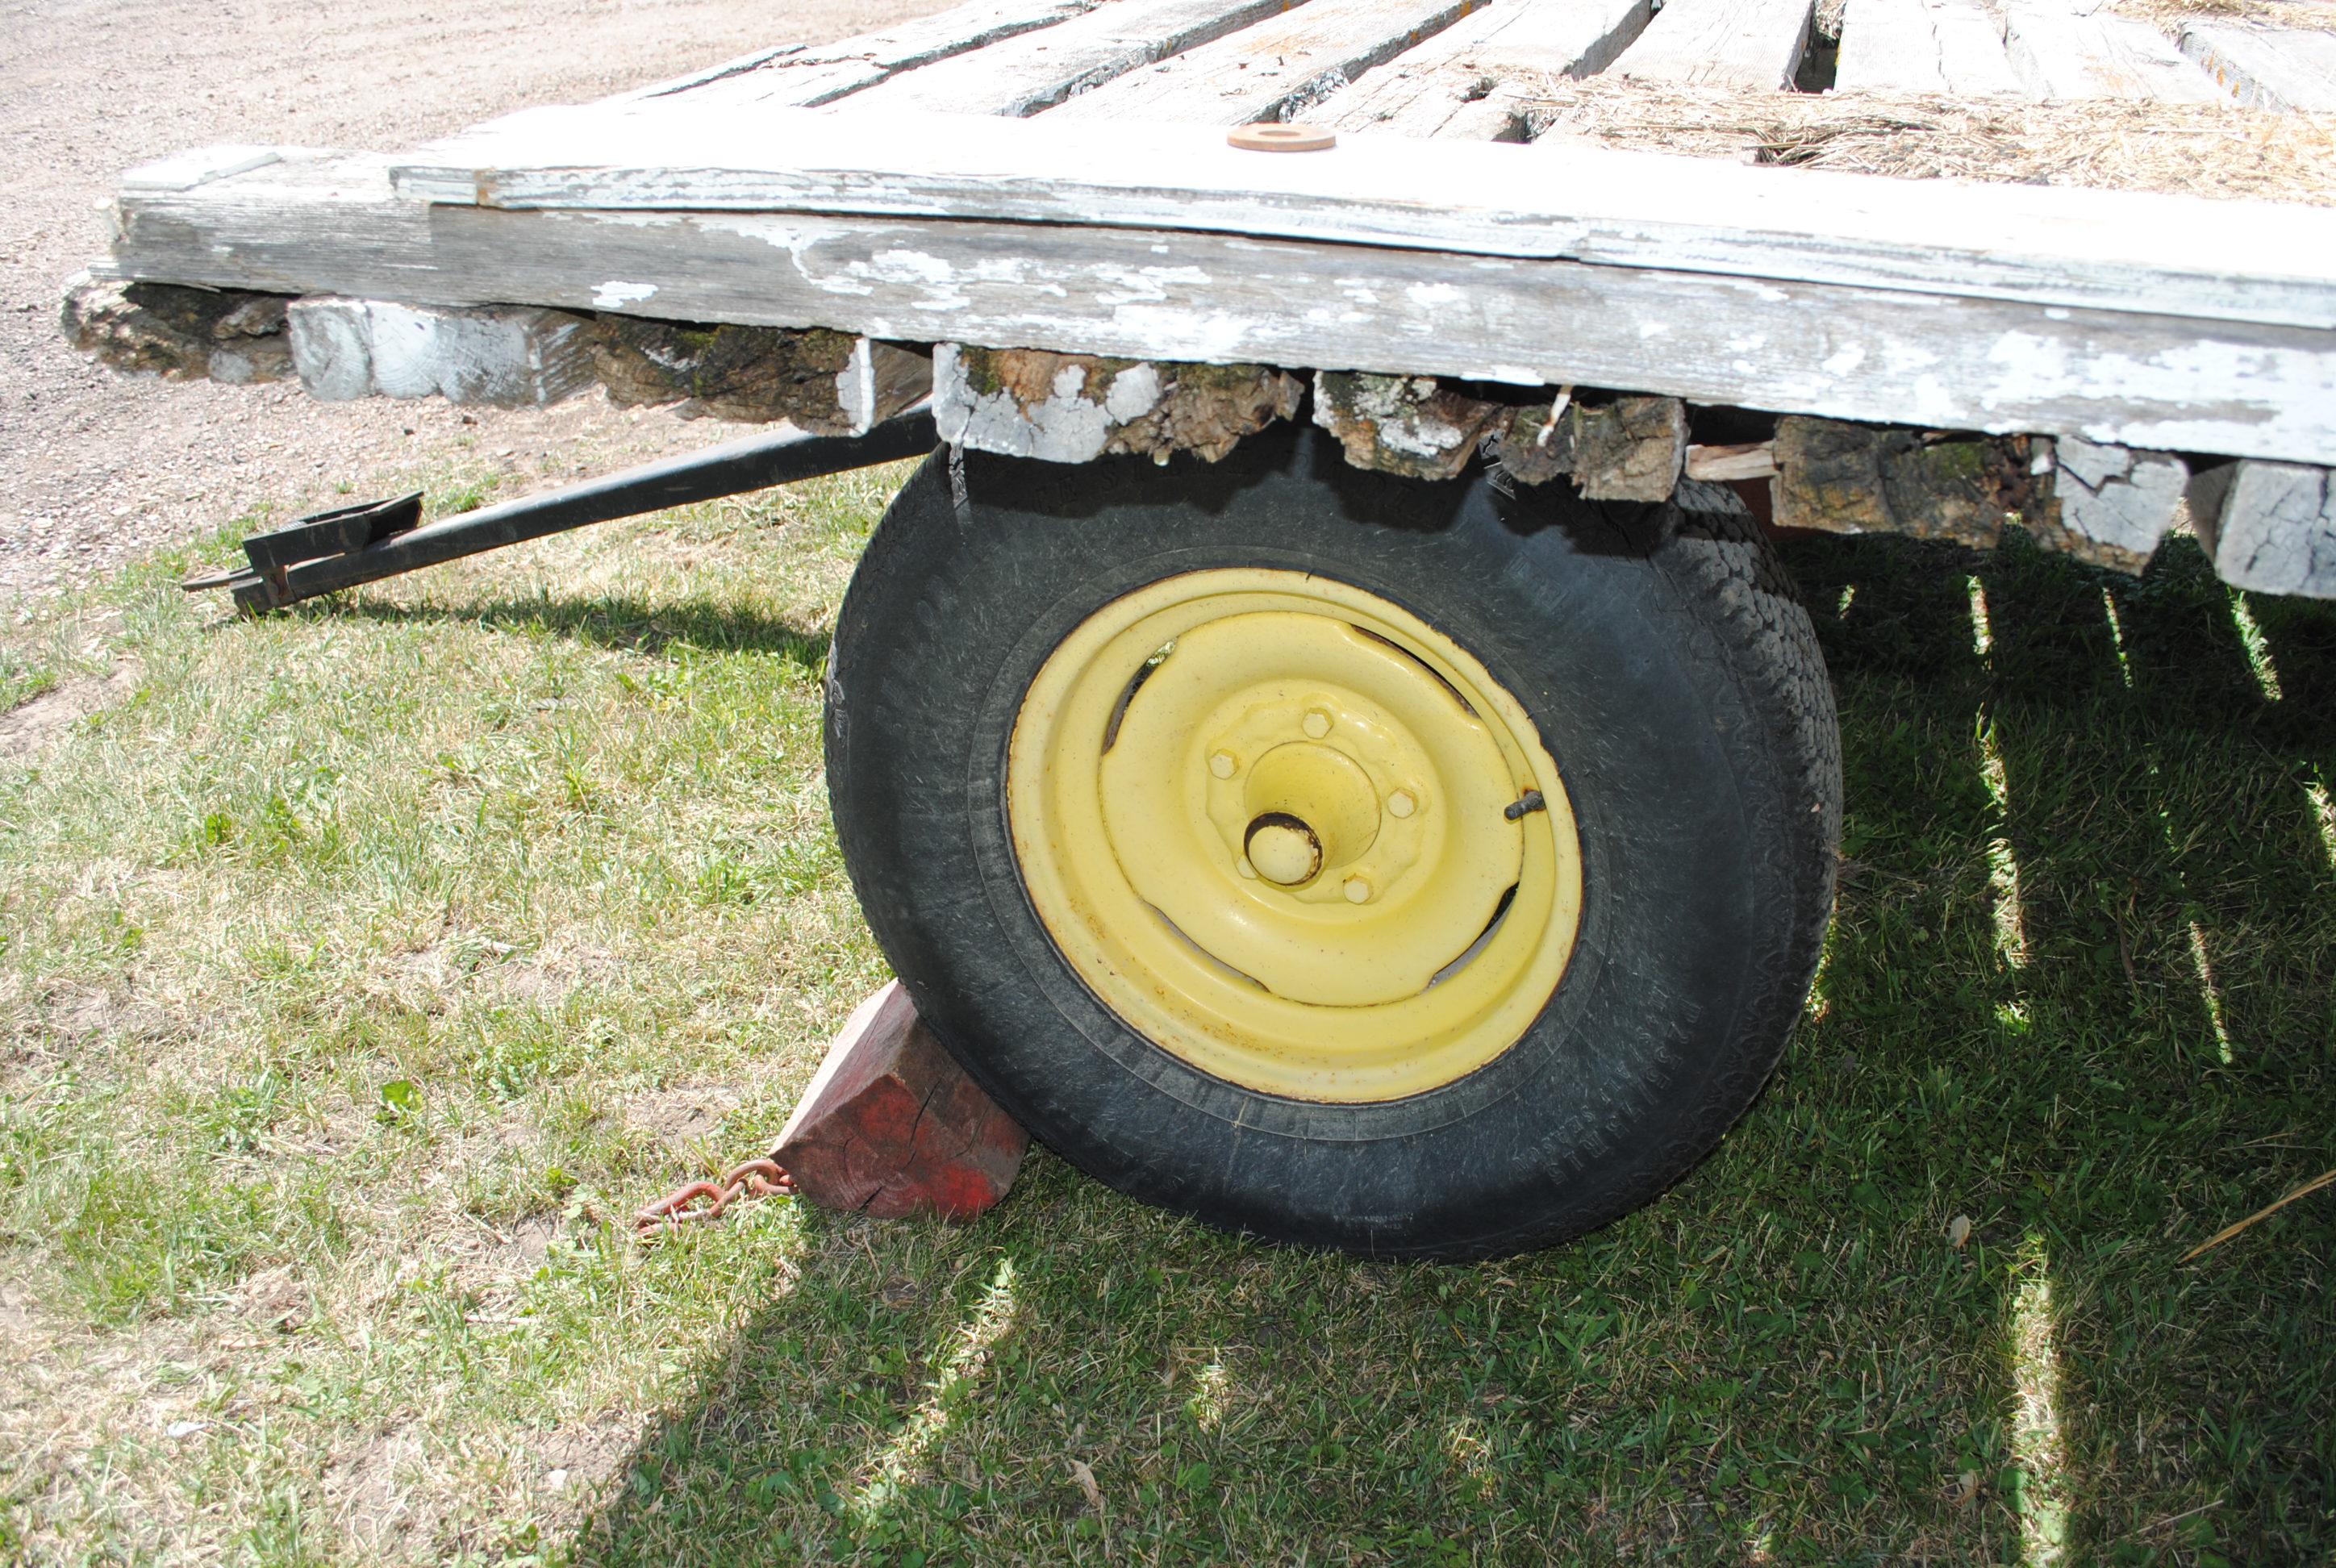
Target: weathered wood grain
{"x":1728,"y":465}
{"x":1277,"y":70}
{"x":1077,"y":407}
{"x":1451,"y":84}
{"x":1418,"y":426}
{"x":2149,"y":380}
{"x":1952,"y":47}
{"x":891,"y":1126}
{"x":511,"y":356}
{"x":2290,"y":69}
{"x":2110,"y":505}
{"x":199,"y":166}
{"x":1035,"y":71}
{"x":1754,"y":45}
{"x":820,"y":73}
{"x":2235,"y":260}
{"x":2060,"y":52}
{"x":2269,"y":526}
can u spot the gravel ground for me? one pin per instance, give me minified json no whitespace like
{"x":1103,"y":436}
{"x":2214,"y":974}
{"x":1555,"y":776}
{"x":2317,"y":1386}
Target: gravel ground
{"x":101,"y":469}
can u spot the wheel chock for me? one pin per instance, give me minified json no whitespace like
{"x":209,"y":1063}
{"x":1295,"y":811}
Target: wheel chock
{"x":891,"y":1126}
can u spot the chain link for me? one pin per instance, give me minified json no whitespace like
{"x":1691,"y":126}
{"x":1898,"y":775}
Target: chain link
{"x":697,"y":1202}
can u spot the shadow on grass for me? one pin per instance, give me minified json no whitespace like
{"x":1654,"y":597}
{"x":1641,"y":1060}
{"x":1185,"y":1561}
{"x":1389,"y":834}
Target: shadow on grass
{"x":2076,"y":995}
{"x":658,"y":631}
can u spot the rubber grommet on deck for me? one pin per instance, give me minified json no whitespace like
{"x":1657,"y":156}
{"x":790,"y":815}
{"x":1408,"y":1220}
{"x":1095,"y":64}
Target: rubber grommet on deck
{"x":1271,"y":137}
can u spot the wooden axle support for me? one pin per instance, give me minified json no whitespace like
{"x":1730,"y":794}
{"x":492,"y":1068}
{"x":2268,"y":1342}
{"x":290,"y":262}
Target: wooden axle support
{"x":2270,"y":527}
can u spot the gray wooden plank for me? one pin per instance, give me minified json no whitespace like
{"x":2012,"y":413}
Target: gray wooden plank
{"x":795,"y":76}
{"x":810,"y":74}
{"x":1277,"y":70}
{"x":2116,"y":249}
{"x":1035,"y":71}
{"x":1441,"y":85}
{"x":2141,"y":380}
{"x":2062,"y":52}
{"x":1952,"y":47}
{"x":2291,"y":69}
{"x":1753,"y":45}
{"x":198,"y":166}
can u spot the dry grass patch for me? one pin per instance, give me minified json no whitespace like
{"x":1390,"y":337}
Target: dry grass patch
{"x":365,"y":966}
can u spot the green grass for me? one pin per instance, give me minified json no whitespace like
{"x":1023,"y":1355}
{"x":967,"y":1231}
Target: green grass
{"x":363,"y":966}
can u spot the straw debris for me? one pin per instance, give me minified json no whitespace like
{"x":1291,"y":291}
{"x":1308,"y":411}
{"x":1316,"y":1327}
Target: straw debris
{"x":2182,"y":150}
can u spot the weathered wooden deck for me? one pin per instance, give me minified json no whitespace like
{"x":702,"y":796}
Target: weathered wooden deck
{"x":1054,"y":176}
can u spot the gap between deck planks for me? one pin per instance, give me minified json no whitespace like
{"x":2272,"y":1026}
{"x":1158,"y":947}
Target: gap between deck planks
{"x":2142,"y":380}
{"x":1451,"y":84}
{"x":2113,"y":249}
{"x":823,"y":72}
{"x":1274,"y":71}
{"x":1036,"y":70}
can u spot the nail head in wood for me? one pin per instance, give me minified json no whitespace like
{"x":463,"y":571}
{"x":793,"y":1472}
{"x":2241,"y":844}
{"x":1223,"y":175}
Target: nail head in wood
{"x":1272,"y":137}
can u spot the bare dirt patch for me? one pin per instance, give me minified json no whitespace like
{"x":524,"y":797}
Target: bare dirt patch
{"x":103,"y":469}
{"x":39,"y":721}
{"x":685,"y":1116}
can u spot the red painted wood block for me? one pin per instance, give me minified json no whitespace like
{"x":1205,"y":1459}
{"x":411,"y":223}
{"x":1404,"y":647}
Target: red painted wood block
{"x":891,"y":1126}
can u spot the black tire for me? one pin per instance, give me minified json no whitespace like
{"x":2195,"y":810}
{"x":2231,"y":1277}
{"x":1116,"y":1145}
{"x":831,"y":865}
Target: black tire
{"x":1674,"y":678}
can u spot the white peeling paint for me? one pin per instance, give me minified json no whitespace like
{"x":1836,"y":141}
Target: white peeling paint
{"x":1845,"y":360}
{"x":614,"y":295}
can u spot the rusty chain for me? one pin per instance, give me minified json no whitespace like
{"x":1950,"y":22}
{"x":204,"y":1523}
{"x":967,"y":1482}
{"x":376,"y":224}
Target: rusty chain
{"x":697,"y":1203}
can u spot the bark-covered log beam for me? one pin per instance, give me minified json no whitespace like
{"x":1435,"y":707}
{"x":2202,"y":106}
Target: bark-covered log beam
{"x":505,"y":356}
{"x":1413,"y":426}
{"x":828,"y":382}
{"x":1075,"y":407}
{"x":1843,"y":478}
{"x":177,"y":334}
{"x":2109,"y":505}
{"x":2270,"y":527}
{"x":1626,"y":449}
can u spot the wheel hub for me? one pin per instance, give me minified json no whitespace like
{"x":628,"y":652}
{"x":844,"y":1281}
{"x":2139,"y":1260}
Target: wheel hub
{"x":1272,"y":836}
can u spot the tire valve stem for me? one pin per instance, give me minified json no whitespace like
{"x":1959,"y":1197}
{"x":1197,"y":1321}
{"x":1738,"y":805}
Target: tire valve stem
{"x":1524,"y":806}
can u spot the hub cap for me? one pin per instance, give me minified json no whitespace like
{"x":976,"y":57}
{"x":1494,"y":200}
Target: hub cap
{"x":1264,"y":816}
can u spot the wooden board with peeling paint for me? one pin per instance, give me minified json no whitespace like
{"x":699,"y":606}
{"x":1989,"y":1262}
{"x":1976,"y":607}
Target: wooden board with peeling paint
{"x":1049,"y":184}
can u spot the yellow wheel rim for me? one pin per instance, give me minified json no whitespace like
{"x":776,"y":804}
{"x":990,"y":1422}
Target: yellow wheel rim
{"x":1267,"y":818}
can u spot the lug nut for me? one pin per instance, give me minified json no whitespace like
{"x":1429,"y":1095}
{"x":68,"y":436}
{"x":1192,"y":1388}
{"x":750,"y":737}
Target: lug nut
{"x":1401,"y":804}
{"x":1317,"y":724}
{"x":1359,"y":892}
{"x":1222,"y":764}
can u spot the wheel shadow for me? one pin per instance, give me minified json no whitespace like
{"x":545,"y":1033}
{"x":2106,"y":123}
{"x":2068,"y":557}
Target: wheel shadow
{"x":1926,"y":1302}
